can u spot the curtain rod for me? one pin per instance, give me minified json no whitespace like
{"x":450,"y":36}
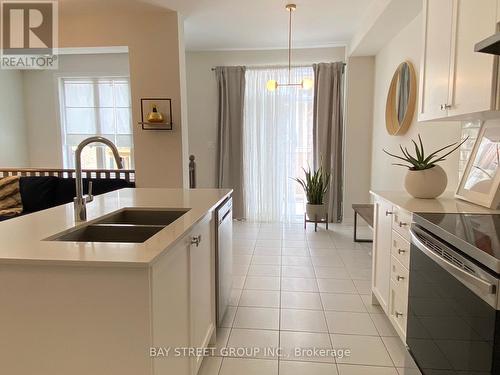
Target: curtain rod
{"x":276,"y":66}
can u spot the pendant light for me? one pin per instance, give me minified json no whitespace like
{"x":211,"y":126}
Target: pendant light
{"x":306,"y":83}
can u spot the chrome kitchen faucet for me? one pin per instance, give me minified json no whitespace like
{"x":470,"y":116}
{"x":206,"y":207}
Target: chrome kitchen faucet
{"x":81,"y":200}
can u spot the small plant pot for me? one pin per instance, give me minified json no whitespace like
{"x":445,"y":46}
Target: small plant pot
{"x":426,"y":184}
{"x":316,"y":211}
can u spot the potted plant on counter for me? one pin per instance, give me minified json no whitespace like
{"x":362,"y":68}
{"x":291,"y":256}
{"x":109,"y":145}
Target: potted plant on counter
{"x":315,"y":186}
{"x":425,"y":177}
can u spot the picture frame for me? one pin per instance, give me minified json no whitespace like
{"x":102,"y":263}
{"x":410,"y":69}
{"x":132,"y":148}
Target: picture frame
{"x":480,"y":183}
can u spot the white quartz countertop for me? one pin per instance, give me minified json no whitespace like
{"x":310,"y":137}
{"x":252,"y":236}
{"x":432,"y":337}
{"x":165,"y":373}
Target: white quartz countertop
{"x":22,"y":238}
{"x":446,"y":203}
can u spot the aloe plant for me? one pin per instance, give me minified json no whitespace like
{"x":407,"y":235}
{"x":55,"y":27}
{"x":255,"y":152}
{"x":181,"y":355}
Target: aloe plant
{"x":420,"y":161}
{"x":315,"y":185}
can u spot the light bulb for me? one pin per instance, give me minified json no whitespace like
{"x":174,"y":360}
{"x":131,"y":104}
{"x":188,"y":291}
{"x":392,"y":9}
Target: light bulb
{"x":307,"y":83}
{"x":271,"y":85}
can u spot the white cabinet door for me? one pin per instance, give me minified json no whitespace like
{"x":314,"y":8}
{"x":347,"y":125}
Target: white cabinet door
{"x":202,"y":292}
{"x":436,"y":58}
{"x":183,"y":299}
{"x":382,"y":244}
{"x":473,"y":77}
{"x":170,"y":308}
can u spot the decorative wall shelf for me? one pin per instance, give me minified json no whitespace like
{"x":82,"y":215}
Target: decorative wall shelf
{"x":156,"y":106}
{"x":156,"y":126}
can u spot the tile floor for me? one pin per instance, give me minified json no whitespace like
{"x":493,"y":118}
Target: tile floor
{"x":294,"y":288}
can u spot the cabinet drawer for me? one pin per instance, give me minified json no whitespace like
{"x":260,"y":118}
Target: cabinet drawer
{"x":399,"y":309}
{"x":401,"y":221}
{"x":401,"y":249}
{"x":399,"y":275}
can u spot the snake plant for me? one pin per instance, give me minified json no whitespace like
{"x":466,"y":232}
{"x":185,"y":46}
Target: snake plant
{"x":420,"y":161}
{"x":315,"y":185}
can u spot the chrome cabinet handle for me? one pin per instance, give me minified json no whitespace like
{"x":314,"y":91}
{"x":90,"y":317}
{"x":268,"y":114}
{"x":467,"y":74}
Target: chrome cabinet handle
{"x":444,"y":107}
{"x":399,"y":278}
{"x":387,"y":213}
{"x":195,"y":240}
{"x":402,"y":224}
{"x":401,"y":251}
{"x":398,"y":314}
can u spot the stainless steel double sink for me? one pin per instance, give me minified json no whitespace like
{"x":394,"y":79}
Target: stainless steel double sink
{"x":128,"y":225}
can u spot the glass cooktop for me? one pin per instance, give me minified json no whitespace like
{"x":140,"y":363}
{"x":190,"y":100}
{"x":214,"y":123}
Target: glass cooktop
{"x":465,"y":231}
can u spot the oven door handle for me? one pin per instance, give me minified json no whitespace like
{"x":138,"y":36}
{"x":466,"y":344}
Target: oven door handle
{"x":477,"y":283}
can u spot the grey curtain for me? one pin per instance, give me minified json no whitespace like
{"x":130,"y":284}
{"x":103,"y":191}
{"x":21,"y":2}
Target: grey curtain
{"x":328,"y":131}
{"x":231,"y":95}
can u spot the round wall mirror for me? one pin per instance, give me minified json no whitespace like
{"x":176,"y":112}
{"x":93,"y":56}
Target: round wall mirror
{"x":401,"y":99}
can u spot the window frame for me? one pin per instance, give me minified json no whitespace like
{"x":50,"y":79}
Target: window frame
{"x":94,"y":78}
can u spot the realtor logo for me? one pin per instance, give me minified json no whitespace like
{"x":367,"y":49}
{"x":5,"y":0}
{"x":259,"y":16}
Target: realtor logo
{"x":28,"y":34}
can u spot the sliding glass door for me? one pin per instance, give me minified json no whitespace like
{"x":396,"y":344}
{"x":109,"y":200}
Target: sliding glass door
{"x":277,"y":144}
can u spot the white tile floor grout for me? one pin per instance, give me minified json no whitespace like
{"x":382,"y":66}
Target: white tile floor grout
{"x":300,"y":288}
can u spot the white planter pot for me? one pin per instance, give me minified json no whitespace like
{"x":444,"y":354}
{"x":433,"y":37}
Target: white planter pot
{"x":316,"y":211}
{"x":427,"y":184}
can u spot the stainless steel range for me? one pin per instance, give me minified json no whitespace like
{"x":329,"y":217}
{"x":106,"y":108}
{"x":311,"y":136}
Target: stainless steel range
{"x":453,"y":318}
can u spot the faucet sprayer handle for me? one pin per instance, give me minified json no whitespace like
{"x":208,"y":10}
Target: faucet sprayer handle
{"x":90,"y":197}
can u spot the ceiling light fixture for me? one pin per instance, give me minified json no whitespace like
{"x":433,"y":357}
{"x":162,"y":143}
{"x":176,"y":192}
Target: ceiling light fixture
{"x":306,"y":83}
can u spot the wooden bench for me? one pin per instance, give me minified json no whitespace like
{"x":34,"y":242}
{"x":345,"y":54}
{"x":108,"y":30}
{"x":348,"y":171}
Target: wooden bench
{"x":366,"y":213}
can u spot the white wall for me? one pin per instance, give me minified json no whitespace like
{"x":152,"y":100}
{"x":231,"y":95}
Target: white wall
{"x":202,"y":95}
{"x":42,"y":106}
{"x":13,"y":145}
{"x":184,"y":101}
{"x":358,"y":135}
{"x":407,"y":45}
{"x":382,"y":20}
{"x":152,"y":34}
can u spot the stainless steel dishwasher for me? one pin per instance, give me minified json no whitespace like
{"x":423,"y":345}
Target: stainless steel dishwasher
{"x":224,"y":256}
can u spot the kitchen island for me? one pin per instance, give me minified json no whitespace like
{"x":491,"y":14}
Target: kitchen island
{"x":99,"y":307}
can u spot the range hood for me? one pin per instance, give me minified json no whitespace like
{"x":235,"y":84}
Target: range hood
{"x":490,"y":45}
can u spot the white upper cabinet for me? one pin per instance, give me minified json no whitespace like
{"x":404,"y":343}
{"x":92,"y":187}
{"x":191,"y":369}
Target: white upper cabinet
{"x":474,"y":79}
{"x":436,"y":56}
{"x":456,"y":82}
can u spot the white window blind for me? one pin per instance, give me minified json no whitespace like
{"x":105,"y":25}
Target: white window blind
{"x":96,"y":106}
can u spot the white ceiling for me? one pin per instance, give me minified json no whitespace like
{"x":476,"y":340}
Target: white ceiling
{"x":261,"y":24}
